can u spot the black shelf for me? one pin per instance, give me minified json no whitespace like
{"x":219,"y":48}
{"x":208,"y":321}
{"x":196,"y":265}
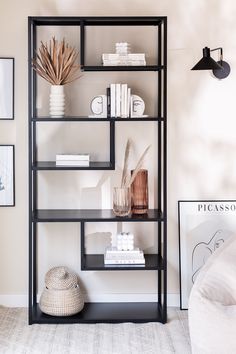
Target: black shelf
{"x":97,"y":21}
{"x":92,"y":215}
{"x":122,"y":68}
{"x":103,"y":312}
{"x":87,"y":119}
{"x":51,"y":165}
{"x":96,"y":262}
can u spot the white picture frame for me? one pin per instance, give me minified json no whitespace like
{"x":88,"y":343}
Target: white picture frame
{"x":204,"y":226}
{"x":7,"y":88}
{"x":7,"y":175}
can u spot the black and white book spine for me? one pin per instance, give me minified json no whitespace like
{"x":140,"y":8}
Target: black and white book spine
{"x":108,"y":102}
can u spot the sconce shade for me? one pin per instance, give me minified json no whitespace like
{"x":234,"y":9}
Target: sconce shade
{"x":207,"y":63}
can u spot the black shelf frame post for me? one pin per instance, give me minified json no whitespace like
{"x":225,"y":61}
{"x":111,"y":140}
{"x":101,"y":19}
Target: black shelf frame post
{"x":101,"y":312}
{"x":164,"y":316}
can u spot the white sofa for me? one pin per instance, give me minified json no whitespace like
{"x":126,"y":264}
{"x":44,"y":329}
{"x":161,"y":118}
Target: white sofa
{"x":212,"y":304}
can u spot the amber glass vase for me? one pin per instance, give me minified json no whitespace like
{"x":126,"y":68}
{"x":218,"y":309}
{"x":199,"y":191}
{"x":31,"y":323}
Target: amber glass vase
{"x":139,"y":193}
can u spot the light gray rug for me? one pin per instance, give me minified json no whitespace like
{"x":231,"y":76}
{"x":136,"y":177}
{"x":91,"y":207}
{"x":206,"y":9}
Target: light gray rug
{"x":16,"y":337}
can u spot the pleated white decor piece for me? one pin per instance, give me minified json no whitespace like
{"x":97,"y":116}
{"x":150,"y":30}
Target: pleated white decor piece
{"x":57,"y":101}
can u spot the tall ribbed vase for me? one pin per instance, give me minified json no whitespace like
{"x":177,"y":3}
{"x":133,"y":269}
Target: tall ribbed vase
{"x":139,"y":193}
{"x":57,"y":101}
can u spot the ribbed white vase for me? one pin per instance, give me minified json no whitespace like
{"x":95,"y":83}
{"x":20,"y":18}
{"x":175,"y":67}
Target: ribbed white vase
{"x":57,"y":101}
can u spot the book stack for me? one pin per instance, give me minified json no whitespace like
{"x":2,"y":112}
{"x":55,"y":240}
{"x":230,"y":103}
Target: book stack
{"x":122,"y":104}
{"x":81,"y":160}
{"x":122,"y":56}
{"x":119,"y":101}
{"x":117,"y":59}
{"x":115,"y":257}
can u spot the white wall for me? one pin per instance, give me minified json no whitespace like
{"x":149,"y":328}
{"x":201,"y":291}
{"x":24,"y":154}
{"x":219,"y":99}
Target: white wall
{"x":201,"y":140}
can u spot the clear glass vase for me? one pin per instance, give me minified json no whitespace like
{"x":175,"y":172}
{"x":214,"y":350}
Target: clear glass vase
{"x":121,"y":201}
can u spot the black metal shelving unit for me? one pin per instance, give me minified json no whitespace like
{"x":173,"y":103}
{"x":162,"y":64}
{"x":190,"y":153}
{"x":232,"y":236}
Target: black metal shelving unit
{"x":102,"y":312}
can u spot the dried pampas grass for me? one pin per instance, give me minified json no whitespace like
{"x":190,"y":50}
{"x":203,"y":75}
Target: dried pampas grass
{"x":126,"y":179}
{"x":56,"y":63}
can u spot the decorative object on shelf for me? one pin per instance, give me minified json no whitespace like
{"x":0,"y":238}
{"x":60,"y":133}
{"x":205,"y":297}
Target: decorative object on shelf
{"x":122,"y":251}
{"x":72,"y":160}
{"x":57,"y":101}
{"x":121,"y":201}
{"x":99,"y":107}
{"x":7,"y":175}
{"x":139,"y":192}
{"x":56,"y":63}
{"x":122,"y":194}
{"x":123,"y":57}
{"x":125,"y":241}
{"x":62,"y":295}
{"x":122,"y":48}
{"x":6,"y":88}
{"x":137,"y":107}
{"x":118,"y":103}
{"x":203,"y":227}
{"x":220,"y":69}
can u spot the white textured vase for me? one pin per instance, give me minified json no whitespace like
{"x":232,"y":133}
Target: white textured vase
{"x":57,"y":101}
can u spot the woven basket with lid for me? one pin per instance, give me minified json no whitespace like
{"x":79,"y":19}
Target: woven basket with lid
{"x":62,"y":295}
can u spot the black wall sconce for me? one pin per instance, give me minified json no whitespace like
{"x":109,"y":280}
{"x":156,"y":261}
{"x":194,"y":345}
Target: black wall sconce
{"x":220,"y":69}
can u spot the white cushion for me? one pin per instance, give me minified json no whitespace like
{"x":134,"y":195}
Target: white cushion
{"x":212,"y":304}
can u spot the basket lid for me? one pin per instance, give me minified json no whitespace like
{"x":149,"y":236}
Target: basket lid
{"x":60,"y":278}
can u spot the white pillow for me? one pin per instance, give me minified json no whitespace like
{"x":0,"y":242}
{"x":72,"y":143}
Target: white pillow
{"x":212,"y":304}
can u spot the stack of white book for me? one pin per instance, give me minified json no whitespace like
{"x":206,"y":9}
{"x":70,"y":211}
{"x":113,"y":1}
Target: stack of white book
{"x":118,"y":59}
{"x":114,"y":257}
{"x":120,"y":100}
{"x":72,"y":160}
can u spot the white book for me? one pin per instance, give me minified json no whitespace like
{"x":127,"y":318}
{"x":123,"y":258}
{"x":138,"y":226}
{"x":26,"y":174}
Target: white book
{"x":124,"y":88}
{"x":136,"y":62}
{"x":136,"y":56}
{"x":115,"y":252}
{"x":128,"y":102}
{"x":72,"y":157}
{"x":72,"y":163}
{"x":112,"y":56}
{"x":118,"y":100}
{"x":113,"y":100}
{"x":122,"y":261}
{"x":111,"y":62}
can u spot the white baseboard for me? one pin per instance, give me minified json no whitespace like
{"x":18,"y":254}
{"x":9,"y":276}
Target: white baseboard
{"x":22,"y":300}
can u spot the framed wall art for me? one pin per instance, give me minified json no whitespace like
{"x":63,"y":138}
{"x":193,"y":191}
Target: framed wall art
{"x":204,"y":225}
{"x":6,"y":88}
{"x":7,"y":175}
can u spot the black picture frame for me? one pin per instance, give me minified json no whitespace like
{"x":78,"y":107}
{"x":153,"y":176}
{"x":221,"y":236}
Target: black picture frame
{"x":203,"y":225}
{"x":7,"y":182}
{"x":7,"y":88}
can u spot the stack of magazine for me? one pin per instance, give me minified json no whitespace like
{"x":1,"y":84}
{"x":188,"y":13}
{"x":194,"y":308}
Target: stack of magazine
{"x":81,"y":160}
{"x":114,"y":257}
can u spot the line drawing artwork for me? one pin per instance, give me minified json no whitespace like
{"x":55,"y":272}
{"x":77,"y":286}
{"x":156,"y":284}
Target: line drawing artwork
{"x":203,"y":250}
{"x":6,"y":176}
{"x":204,"y":226}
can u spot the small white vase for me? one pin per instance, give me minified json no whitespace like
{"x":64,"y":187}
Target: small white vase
{"x":57,"y":101}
